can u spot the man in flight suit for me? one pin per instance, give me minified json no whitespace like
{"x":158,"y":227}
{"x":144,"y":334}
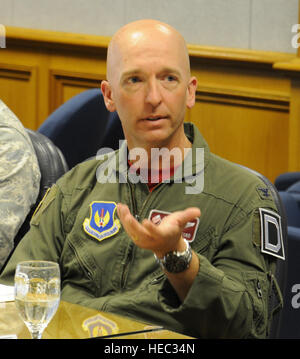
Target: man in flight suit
{"x":163,"y":252}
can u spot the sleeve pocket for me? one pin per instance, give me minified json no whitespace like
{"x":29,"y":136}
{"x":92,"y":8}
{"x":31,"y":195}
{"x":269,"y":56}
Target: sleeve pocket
{"x":257,"y":287}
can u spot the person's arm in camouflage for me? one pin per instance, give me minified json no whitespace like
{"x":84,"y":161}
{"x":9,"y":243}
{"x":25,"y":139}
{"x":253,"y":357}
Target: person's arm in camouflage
{"x":19,"y":179}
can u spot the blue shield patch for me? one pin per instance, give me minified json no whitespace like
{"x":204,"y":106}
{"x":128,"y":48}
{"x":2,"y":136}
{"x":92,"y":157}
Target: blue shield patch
{"x":102,"y":223}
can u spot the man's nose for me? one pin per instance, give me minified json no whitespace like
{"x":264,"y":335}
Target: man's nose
{"x":153,"y":95}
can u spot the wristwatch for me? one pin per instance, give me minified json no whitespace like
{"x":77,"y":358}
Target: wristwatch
{"x":175,"y":261}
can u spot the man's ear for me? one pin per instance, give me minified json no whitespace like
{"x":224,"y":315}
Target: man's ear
{"x":107,"y":95}
{"x":191,"y":92}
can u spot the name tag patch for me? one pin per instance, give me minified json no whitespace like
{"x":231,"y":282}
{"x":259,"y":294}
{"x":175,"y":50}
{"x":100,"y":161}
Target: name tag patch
{"x":189,"y":231}
{"x":271,"y":233}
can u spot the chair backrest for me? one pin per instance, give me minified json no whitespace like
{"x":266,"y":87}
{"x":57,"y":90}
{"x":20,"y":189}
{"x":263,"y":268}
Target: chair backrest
{"x":285,"y":180}
{"x":290,"y":317}
{"x":291,"y":207}
{"x":83,"y":125}
{"x":52,"y":166}
{"x":294,"y":190}
{"x":281,"y":265}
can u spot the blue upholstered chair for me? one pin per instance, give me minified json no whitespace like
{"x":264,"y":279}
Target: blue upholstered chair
{"x":52,"y":166}
{"x":83,"y":125}
{"x":289,"y":327}
{"x":285,"y":180}
{"x":294,"y":190}
{"x":292,"y":208}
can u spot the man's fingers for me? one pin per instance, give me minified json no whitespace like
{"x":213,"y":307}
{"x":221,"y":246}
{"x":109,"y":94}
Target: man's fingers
{"x":191,"y":212}
{"x":122,"y":210}
{"x":151,"y":227}
{"x":128,"y":221}
{"x":133,"y":228}
{"x":148,"y":235}
{"x":181,"y":218}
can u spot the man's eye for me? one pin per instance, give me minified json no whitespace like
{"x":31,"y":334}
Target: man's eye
{"x":170,"y":79}
{"x":133,"y":80}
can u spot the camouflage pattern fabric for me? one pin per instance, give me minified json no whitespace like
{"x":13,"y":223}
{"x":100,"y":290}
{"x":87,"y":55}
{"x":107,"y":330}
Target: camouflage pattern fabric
{"x":19,"y":178}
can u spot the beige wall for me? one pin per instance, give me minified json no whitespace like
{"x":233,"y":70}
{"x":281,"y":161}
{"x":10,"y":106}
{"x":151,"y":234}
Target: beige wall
{"x":247,"y":24}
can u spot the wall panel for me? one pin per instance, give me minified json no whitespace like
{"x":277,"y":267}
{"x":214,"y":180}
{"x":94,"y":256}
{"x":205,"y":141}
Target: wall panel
{"x":18,"y":88}
{"x":242,"y":132}
{"x":247,"y":102}
{"x":66,"y":84}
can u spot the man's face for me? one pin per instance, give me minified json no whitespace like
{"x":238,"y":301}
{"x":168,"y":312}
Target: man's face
{"x":151,"y":88}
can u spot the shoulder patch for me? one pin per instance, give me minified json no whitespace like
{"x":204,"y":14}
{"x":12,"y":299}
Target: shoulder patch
{"x":44,"y":203}
{"x":271,"y":233}
{"x":102,"y":222}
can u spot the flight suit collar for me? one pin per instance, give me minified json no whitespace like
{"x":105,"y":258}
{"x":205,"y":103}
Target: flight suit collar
{"x":196,"y":160}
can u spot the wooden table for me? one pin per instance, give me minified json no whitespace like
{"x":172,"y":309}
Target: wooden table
{"x":73,"y":321}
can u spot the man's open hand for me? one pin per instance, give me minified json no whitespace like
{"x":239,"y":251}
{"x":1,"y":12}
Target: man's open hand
{"x":161,"y":238}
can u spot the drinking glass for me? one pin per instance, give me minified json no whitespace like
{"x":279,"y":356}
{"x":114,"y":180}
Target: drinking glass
{"x":37,"y":294}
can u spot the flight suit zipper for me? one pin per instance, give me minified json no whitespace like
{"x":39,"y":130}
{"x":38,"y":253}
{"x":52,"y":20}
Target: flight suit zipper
{"x":128,"y":258}
{"x":129,"y":255}
{"x":133,"y":202}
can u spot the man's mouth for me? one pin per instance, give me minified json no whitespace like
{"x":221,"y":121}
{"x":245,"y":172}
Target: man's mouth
{"x":155,"y":118}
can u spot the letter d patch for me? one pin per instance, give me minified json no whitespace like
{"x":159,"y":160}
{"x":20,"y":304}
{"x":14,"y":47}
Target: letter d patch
{"x":271,"y":233}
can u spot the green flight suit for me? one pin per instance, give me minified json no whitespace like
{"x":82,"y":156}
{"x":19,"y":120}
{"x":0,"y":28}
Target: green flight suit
{"x":107,"y":271}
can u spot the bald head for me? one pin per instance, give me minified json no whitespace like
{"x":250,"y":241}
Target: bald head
{"x":149,"y":84}
{"x":145,"y":34}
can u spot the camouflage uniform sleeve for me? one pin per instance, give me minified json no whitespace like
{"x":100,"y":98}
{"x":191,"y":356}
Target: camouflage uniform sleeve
{"x":19,"y":180}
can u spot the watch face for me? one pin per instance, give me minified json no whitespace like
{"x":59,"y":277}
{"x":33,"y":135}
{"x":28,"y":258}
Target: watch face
{"x":175,"y":264}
